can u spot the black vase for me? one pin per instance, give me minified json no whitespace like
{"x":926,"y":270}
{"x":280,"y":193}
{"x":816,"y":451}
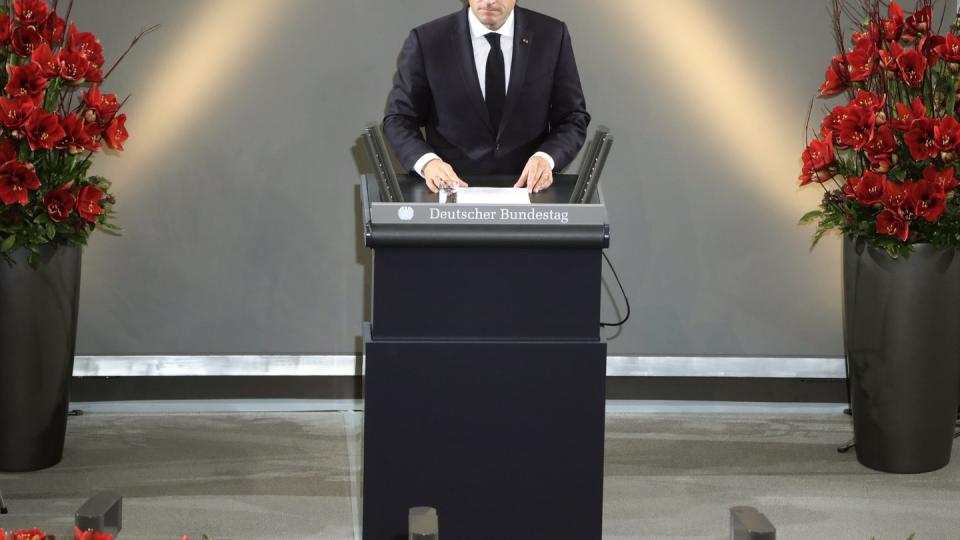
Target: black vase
{"x":38,"y":329}
{"x":902,"y":329}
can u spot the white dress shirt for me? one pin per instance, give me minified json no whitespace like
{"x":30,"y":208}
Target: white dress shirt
{"x":481,"y":47}
{"x":481,"y":50}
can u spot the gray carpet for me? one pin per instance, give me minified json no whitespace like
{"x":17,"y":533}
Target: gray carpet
{"x":293,"y":476}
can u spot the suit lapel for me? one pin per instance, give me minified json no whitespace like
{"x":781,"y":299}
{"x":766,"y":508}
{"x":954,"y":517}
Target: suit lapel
{"x":522,"y":43}
{"x":462,"y":43}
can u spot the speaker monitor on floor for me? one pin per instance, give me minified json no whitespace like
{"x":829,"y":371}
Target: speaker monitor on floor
{"x":747,"y":523}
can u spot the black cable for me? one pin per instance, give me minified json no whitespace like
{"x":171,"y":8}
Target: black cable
{"x":624,"y":293}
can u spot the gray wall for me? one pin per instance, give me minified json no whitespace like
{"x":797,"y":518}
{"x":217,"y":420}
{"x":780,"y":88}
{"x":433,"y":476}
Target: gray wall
{"x":238,"y":192}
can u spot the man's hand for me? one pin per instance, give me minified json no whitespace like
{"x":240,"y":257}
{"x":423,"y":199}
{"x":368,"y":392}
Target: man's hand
{"x":439,"y":173}
{"x":537,"y":175}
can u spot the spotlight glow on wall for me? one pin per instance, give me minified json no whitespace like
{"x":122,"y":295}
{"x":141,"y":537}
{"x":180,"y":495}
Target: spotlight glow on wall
{"x":209,"y":56}
{"x":732,"y":99}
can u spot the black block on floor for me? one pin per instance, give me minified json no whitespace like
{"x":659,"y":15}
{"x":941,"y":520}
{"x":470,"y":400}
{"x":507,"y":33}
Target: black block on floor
{"x":747,"y":523}
{"x":102,"y":513}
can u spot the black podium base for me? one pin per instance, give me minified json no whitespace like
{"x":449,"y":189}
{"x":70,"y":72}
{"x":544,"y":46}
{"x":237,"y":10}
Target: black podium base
{"x":503,"y":438}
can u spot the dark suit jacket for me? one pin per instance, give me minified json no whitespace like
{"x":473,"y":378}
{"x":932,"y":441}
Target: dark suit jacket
{"x":436,"y":87}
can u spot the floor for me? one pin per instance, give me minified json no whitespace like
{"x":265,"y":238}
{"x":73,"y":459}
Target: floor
{"x":669,"y":475}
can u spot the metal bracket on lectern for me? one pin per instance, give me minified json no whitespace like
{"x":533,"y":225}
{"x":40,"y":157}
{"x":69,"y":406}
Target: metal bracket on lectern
{"x":382,"y":166}
{"x":591,"y":167}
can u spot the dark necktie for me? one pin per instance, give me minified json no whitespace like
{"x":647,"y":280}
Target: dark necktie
{"x":496,"y":86}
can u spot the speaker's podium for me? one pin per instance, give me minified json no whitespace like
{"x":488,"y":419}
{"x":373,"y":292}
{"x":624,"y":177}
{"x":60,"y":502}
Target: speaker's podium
{"x":484,"y":364}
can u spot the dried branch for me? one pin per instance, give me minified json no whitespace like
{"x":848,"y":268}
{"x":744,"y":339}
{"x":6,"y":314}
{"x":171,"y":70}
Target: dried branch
{"x":140,"y":36}
{"x":806,"y":125}
{"x":943,"y":17}
{"x":838,"y":36}
{"x":66,"y":18}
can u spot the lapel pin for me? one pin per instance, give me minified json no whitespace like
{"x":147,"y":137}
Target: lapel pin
{"x":525,"y":40}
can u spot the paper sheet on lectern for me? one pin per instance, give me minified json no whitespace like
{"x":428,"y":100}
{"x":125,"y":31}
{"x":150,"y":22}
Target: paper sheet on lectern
{"x":480,"y":195}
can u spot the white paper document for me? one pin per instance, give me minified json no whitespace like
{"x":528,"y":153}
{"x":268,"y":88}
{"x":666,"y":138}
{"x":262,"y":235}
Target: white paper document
{"x":483,"y":195}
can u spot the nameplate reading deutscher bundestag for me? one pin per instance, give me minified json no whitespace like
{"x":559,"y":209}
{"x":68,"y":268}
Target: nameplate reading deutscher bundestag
{"x":459,"y":214}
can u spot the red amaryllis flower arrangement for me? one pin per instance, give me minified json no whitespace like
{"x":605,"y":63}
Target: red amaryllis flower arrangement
{"x":888,"y":160}
{"x":54,"y":116}
{"x":37,"y":534}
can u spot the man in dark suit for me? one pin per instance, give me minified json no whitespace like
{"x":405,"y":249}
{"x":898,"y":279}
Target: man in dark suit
{"x":497,"y":89}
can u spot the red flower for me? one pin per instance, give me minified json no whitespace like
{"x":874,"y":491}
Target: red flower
{"x":950,"y":49}
{"x":817,"y":159}
{"x":929,"y":46}
{"x":947,"y":134}
{"x":43,"y":57}
{"x":869,"y":101}
{"x":73,"y":66}
{"x":26,"y":81}
{"x":921,"y":139}
{"x":891,"y":224}
{"x":850,"y":187}
{"x":95,"y":75}
{"x":60,"y":203}
{"x":6,"y":28}
{"x":8,"y":152}
{"x":856,"y":128}
{"x":919,"y":23}
{"x":16,"y":181}
{"x":913,"y":66}
{"x":43,"y":129}
{"x":862,"y":61}
{"x":78,"y":135}
{"x":888,"y":60}
{"x":880,"y":148}
{"x":14,"y":113}
{"x":895,"y":194}
{"x":90,"y":534}
{"x":86,"y":44}
{"x":100,"y":107}
{"x":25,"y":39}
{"x":89,"y":204}
{"x":927,"y":200}
{"x":116,"y":133}
{"x":30,"y":12}
{"x":32,"y":534}
{"x":868,"y":189}
{"x":945,"y":178}
{"x":892,"y":28}
{"x":906,"y":115}
{"x":837,"y":78}
{"x":831,"y":124}
{"x":53,"y":29}
{"x":866,"y":39}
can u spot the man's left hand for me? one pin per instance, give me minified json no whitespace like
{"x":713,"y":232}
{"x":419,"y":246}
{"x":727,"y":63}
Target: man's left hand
{"x":537,"y":175}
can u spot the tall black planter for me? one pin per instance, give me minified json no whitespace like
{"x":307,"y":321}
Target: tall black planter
{"x":38,"y":328}
{"x":902,"y":326}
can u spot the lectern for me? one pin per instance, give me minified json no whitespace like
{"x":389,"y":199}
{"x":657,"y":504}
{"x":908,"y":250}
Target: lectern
{"x":484,"y":364}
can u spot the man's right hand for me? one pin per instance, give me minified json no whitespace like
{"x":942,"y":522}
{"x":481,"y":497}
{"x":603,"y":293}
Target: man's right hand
{"x":439,"y":173}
